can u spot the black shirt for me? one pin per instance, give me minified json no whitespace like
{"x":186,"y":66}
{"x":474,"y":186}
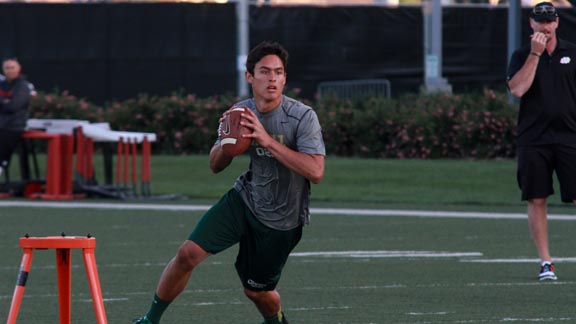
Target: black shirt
{"x":548,"y":109}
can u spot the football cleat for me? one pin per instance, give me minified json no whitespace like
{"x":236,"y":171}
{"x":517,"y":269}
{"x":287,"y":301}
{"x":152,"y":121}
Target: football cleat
{"x":142,"y":320}
{"x":284,"y":320}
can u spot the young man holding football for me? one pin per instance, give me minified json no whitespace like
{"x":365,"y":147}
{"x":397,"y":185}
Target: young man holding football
{"x":269,"y":204}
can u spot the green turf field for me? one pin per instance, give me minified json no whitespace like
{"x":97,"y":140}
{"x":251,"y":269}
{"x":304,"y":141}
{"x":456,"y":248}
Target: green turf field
{"x":421,"y":270}
{"x":381,"y":269}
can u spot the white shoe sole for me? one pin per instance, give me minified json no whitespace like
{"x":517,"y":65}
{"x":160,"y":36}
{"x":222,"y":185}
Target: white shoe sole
{"x":547,"y":276}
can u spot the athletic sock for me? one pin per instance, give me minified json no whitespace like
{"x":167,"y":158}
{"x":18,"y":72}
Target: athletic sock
{"x":275,"y":319}
{"x":157,"y":309}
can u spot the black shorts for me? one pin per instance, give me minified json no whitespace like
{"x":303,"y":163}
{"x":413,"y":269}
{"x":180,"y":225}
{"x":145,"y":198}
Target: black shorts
{"x":263,"y":251}
{"x":9,"y":141}
{"x":536,"y":165}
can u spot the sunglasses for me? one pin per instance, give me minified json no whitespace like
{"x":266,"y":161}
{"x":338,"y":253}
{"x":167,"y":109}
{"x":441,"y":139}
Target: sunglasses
{"x":544,"y":10}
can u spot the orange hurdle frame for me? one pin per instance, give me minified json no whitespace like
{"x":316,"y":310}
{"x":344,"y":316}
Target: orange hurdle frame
{"x":127,"y":165}
{"x":62,"y":244}
{"x":59,"y":165}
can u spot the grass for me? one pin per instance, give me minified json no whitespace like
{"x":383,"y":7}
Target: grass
{"x":467,"y":287}
{"x":423,"y":270}
{"x":431,"y":184}
{"x":361,"y":180}
{"x":484,"y":184}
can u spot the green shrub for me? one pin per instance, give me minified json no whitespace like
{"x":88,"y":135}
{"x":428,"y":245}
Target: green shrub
{"x":421,"y":126}
{"x":184,"y":124}
{"x":63,"y":105}
{"x":425,"y":126}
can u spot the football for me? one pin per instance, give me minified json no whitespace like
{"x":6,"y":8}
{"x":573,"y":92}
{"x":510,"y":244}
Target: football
{"x":231,"y":132}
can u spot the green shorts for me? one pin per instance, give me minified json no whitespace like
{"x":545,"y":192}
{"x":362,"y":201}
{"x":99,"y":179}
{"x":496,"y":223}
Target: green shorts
{"x":263,"y":250}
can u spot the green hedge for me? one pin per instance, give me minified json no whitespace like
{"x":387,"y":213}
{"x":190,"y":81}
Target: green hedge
{"x":478,"y":125}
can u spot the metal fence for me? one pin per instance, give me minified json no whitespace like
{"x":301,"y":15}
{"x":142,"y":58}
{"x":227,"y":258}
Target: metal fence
{"x":354,"y":89}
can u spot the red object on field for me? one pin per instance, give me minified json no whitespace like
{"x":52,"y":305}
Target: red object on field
{"x":126,"y":164}
{"x":80,"y":153}
{"x":62,"y":244}
{"x":59,"y":165}
{"x":134,"y":169}
{"x":146,"y":151}
{"x":84,"y":156}
{"x":89,"y":159}
{"x":119,"y":161}
{"x":32,"y":188}
{"x":145,"y":168}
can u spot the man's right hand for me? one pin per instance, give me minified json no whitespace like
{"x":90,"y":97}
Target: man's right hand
{"x":538,"y":43}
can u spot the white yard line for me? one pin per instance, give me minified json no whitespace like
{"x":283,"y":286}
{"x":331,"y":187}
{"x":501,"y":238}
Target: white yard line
{"x":520,"y":260}
{"x":318,"y":211}
{"x":386,"y":254}
{"x":467,"y":256}
{"x":464,"y":256}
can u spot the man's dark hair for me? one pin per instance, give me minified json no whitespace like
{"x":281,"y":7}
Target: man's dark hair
{"x":263,"y":49}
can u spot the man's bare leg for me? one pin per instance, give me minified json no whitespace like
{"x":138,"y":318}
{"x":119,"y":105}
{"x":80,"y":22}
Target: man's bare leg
{"x":174,"y":279}
{"x":268,"y":303}
{"x":538,"y":221}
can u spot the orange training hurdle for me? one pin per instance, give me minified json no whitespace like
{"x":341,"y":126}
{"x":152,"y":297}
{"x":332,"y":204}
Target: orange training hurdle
{"x":59,"y":165}
{"x":62,"y":244}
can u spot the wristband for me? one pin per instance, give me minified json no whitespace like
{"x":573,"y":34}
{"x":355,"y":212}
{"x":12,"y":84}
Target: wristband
{"x":535,"y":54}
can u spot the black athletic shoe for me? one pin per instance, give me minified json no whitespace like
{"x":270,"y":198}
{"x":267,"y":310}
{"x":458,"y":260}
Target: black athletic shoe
{"x":547,"y":272}
{"x":142,"y":320}
{"x":284,"y":320}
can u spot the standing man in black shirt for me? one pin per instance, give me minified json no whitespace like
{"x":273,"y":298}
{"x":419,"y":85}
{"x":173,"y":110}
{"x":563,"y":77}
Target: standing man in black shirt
{"x":543,"y":75}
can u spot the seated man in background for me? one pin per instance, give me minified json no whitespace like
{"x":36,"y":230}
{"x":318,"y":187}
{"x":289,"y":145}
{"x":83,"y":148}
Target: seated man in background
{"x":14,"y":100}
